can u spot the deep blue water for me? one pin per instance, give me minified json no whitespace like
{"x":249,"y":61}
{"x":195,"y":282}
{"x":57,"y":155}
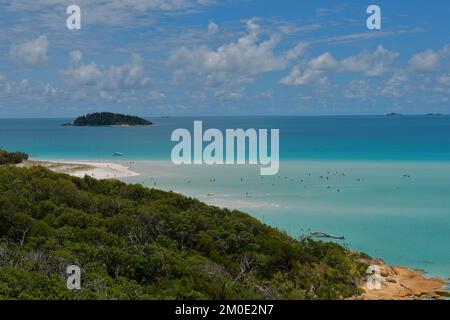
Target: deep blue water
{"x":330,"y":138}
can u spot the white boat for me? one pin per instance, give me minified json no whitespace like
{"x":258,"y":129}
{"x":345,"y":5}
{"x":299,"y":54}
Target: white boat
{"x":118,"y":154}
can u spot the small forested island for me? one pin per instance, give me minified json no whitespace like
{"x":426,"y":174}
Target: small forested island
{"x":108,"y":119}
{"x":132,"y":242}
{"x":393,"y":114}
{"x":12,"y":157}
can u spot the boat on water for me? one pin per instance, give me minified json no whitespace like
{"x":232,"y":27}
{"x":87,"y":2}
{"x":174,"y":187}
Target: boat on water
{"x":118,"y":154}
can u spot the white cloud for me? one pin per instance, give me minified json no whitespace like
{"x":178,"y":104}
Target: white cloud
{"x":217,"y":79}
{"x":425,"y":61}
{"x":396,"y":86}
{"x":130,"y":75}
{"x":12,"y":88}
{"x":242,"y":59}
{"x":76,"y":56}
{"x":365,"y":36}
{"x":31,"y":52}
{"x":444,"y":80}
{"x":8,"y":88}
{"x":126,"y":76}
{"x":156,"y":95}
{"x":307,"y":76}
{"x":23,"y":86}
{"x":429,"y":60}
{"x":49,"y":89}
{"x":315,"y":71}
{"x":297,"y":51}
{"x":442,"y":84}
{"x":198,"y":96}
{"x":245,"y":55}
{"x":371,"y":64}
{"x":212,"y":28}
{"x":230,"y":95}
{"x":323,"y":62}
{"x":268,"y":94}
{"x":357,"y":89}
{"x":138,"y":12}
{"x":82,"y":74}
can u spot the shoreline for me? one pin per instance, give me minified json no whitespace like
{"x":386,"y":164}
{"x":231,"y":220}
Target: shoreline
{"x":402,"y":283}
{"x":97,"y":170}
{"x":397,"y":283}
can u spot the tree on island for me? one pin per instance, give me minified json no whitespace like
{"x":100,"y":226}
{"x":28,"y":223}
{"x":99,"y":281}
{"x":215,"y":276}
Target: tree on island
{"x":109,"y":119}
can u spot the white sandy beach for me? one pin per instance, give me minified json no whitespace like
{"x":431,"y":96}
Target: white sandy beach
{"x":97,"y":170}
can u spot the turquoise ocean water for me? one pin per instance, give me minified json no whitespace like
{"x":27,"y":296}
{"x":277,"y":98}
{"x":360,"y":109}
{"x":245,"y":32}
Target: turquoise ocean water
{"x":382,"y":182}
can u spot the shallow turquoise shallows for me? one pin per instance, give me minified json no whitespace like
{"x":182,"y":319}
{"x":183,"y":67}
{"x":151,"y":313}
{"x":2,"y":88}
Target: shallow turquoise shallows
{"x":382,"y":182}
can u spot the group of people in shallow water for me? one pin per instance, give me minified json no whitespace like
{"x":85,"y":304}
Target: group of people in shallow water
{"x":326,"y":177}
{"x":247,"y":194}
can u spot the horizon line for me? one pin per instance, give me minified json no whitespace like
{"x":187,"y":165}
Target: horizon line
{"x":248,"y":115}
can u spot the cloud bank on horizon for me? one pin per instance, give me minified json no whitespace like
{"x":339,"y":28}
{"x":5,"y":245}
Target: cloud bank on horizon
{"x":206,"y":57}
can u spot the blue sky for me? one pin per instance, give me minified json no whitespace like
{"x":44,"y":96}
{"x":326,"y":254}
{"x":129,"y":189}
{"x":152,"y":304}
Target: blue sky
{"x":228,"y":57}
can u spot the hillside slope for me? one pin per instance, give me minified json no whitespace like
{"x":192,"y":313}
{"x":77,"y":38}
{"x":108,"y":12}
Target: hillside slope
{"x":138,"y":243}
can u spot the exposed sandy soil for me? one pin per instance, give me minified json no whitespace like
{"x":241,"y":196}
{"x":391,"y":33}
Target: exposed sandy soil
{"x":96,"y":170}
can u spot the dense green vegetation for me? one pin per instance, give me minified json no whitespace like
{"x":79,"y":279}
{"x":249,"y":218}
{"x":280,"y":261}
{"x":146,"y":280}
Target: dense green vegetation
{"x":12,"y":157}
{"x":138,"y":243}
{"x":109,"y":119}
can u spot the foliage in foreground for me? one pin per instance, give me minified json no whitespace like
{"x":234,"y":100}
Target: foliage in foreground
{"x":137,"y":243}
{"x":12,"y":157}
